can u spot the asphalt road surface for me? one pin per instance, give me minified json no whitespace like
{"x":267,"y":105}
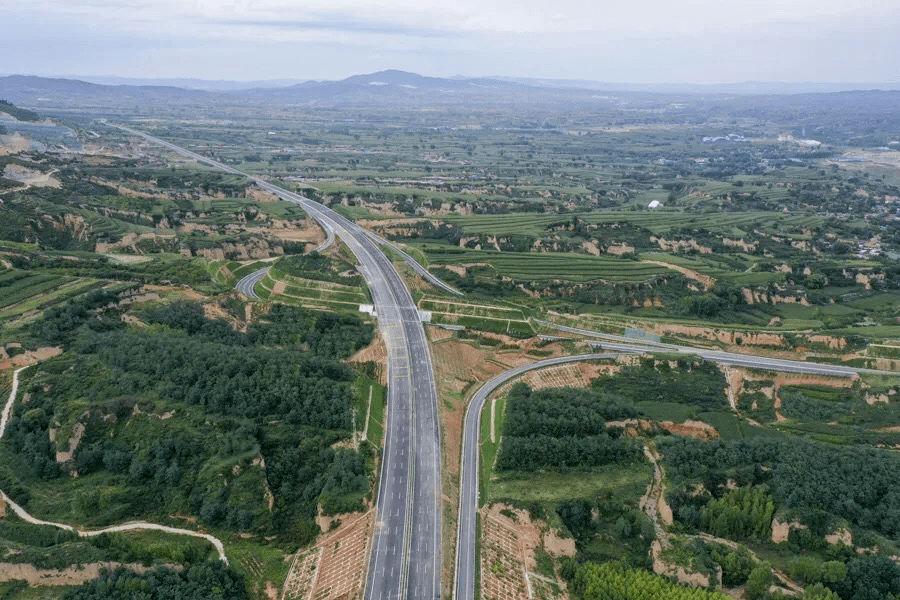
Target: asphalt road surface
{"x":329,"y":239}
{"x":405,"y":561}
{"x":464,"y":588}
{"x":422,"y":271}
{"x":618,"y":343}
{"x":248,"y":282}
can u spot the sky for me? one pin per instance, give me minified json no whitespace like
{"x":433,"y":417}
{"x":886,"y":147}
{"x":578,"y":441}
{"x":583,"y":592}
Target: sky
{"x":625,"y":41}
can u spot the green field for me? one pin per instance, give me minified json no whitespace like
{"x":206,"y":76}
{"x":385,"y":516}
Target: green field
{"x":658,"y":222}
{"x":311,"y":292}
{"x":547,"y":266}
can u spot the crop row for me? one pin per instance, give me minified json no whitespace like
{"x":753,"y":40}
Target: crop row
{"x":41,"y":301}
{"x":28,"y":287}
{"x":548,"y":266}
{"x":655,"y":221}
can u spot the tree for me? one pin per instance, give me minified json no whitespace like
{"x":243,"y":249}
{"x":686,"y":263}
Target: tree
{"x":869,"y":577}
{"x":759,"y":581}
{"x":818,"y":592}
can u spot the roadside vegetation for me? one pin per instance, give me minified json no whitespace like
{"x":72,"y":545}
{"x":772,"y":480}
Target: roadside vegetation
{"x":174,"y":399}
{"x":701,"y":495}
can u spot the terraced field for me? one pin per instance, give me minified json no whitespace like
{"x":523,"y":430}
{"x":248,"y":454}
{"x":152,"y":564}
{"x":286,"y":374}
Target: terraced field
{"x":717,"y":267}
{"x":23,"y":291}
{"x":658,"y":222}
{"x":101,"y":224}
{"x":497,"y":319}
{"x":547,"y":266}
{"x":310,"y":293}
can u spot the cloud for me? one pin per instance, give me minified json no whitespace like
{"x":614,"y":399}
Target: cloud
{"x":637,"y":40}
{"x":339,"y":23}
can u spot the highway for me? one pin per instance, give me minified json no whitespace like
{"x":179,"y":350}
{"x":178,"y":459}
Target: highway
{"x":329,"y":239}
{"x":418,"y":268}
{"x":408,"y":505}
{"x":248,"y":282}
{"x":618,"y":343}
{"x":464,"y":587}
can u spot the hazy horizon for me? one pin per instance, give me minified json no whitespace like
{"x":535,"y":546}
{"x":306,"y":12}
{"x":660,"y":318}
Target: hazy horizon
{"x":739,"y":87}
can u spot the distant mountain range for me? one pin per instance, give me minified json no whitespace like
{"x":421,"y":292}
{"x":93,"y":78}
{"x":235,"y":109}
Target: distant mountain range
{"x":742,"y":88}
{"x":399,"y":88}
{"x":402,"y":78}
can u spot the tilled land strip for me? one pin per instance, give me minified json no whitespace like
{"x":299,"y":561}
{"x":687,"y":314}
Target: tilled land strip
{"x":335,"y":568}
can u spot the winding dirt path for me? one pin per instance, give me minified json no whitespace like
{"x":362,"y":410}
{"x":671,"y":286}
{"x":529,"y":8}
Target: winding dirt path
{"x":707,"y":281}
{"x":130,"y":526}
{"x":653,"y":503}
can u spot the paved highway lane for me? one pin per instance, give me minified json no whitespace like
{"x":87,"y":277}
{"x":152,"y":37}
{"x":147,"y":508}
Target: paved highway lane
{"x":405,"y":560}
{"x":464,"y":586}
{"x":620,"y":343}
{"x":248,"y":282}
{"x":418,"y":268}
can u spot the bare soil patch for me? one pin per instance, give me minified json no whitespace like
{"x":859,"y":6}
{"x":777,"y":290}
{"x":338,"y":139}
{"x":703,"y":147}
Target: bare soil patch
{"x":14,"y":144}
{"x":30,"y":357}
{"x":30,"y":177}
{"x":726,"y":337}
{"x":335,"y":568}
{"x":297,"y":231}
{"x":707,"y":281}
{"x":74,"y":575}
{"x":66,"y":455}
{"x":128,"y":259}
{"x":259,"y":195}
{"x":375,"y":352}
{"x":508,"y":545}
{"x":171,"y":289}
{"x":691,"y":428}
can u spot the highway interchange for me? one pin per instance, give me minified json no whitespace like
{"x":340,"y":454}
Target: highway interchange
{"x":405,"y":560}
{"x":408,"y":505}
{"x":464,"y":587}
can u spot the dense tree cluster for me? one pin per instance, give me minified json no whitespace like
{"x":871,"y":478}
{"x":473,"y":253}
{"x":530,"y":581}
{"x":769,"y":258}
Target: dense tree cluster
{"x":58,"y":325}
{"x":247,"y":382}
{"x":563,"y":411}
{"x":563,"y":428}
{"x":856,"y":484}
{"x":740,"y":514}
{"x":322,"y":333}
{"x":609,"y":517}
{"x":869,"y":577}
{"x":319,"y":267}
{"x":690,"y":381}
{"x":736,"y":563}
{"x":277,"y":392}
{"x":27,"y":435}
{"x":721,"y":299}
{"x":206,"y":581}
{"x":21,"y":114}
{"x":611,"y":581}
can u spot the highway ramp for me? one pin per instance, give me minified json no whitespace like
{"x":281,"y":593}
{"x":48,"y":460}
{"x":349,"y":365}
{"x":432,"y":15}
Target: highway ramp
{"x":247,"y":283}
{"x":466,"y":542}
{"x":405,"y":560}
{"x":618,"y":343}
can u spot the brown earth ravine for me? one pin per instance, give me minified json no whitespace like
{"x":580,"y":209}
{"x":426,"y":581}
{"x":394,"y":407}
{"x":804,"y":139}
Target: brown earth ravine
{"x":707,"y":281}
{"x":30,"y":357}
{"x":691,"y":428}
